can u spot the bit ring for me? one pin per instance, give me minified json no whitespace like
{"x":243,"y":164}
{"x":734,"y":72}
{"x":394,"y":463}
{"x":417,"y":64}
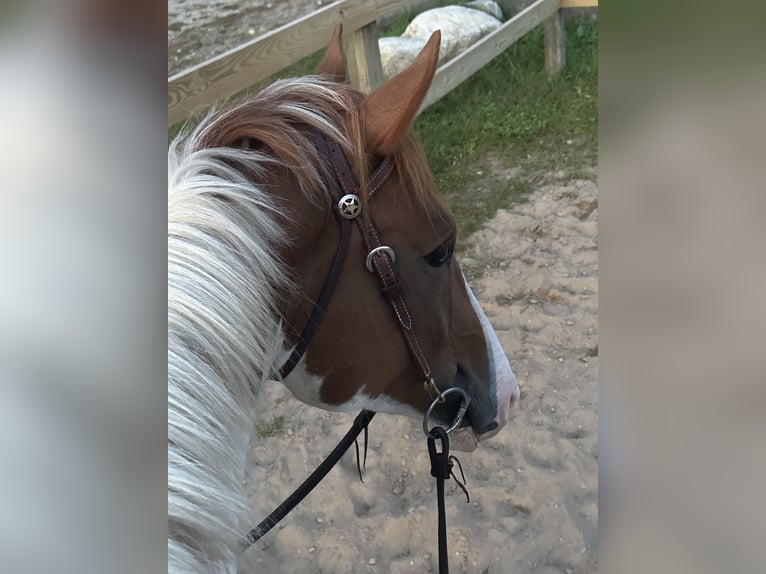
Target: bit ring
{"x":466,"y":400}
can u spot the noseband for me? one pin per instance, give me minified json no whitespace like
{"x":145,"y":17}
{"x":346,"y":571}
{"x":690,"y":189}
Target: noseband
{"x":380,"y":261}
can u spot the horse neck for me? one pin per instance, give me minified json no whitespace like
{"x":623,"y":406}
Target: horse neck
{"x":224,"y":338}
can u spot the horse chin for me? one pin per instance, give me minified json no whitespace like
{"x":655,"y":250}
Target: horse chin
{"x":463,"y":440}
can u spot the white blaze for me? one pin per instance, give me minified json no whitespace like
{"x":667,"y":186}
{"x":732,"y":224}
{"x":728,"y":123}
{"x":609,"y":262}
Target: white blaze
{"x":503,"y":382}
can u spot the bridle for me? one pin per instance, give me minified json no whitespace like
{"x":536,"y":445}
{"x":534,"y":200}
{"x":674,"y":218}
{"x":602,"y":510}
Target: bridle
{"x":380,"y":260}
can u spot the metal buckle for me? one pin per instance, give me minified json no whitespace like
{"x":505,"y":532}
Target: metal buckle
{"x":433,"y":391}
{"x":460,"y":412}
{"x":382,"y":249}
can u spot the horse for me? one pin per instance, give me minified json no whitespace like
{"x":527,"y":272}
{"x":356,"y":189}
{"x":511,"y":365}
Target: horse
{"x":253,"y":227}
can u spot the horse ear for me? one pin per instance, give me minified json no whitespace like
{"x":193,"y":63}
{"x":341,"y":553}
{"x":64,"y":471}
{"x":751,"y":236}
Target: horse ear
{"x":332,"y":63}
{"x":390,"y":109}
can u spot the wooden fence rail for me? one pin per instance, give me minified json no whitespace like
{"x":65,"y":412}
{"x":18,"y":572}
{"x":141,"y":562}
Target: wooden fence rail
{"x":201,"y":86}
{"x":456,"y":71}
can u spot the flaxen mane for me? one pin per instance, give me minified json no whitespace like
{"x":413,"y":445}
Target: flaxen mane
{"x":224,"y":329}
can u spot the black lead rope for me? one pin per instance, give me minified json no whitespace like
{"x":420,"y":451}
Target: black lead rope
{"x":360,"y":423}
{"x":441,"y":468}
{"x":442,"y":464}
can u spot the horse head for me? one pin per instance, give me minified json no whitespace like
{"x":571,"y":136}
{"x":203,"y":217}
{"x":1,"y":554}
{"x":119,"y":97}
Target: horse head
{"x":358,"y":356}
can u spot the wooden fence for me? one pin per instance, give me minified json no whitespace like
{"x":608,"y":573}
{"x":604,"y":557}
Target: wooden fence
{"x":201,"y":86}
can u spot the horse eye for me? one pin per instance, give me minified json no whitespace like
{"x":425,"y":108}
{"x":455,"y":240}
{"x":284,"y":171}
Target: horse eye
{"x":442,"y":254}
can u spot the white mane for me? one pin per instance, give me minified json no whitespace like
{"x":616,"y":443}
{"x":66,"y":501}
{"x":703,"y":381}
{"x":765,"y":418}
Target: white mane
{"x":224,"y":331}
{"x":223,"y":340}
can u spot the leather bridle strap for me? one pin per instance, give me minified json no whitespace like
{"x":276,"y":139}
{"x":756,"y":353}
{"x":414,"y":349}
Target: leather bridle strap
{"x":324,"y":298}
{"x":379,"y":255}
{"x":379,"y":260}
{"x":377,"y":179}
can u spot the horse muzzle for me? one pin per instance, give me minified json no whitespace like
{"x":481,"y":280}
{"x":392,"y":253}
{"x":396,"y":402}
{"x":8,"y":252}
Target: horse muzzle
{"x":503,"y":386}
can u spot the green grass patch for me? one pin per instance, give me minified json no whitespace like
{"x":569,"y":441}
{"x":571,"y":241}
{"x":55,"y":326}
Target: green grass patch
{"x":266,"y":430}
{"x":512,"y":113}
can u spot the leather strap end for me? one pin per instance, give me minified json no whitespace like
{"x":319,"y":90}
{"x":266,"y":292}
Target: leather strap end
{"x":393,"y":291}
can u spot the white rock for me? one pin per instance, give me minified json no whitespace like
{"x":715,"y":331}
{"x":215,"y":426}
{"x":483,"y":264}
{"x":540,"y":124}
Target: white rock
{"x":397,"y":53}
{"x":487,"y":6}
{"x":460,"y":27}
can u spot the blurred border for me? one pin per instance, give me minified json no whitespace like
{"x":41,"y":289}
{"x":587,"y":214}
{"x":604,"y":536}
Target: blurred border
{"x":82,"y":311}
{"x":682,"y":124}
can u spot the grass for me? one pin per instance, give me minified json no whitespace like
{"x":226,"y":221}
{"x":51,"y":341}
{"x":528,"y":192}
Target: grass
{"x":510,"y":114}
{"x":266,"y":430}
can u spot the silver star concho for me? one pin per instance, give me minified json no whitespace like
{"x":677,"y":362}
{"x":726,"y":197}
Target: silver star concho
{"x":349,"y":206}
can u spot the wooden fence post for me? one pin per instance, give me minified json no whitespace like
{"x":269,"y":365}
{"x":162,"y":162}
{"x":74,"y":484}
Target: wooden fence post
{"x":363,"y":58}
{"x":555,"y":43}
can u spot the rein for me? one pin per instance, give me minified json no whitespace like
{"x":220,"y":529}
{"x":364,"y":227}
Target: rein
{"x":360,"y":423}
{"x":380,"y":260}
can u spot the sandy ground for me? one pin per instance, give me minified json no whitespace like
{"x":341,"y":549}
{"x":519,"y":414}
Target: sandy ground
{"x":201,"y":29}
{"x":533,"y":487}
